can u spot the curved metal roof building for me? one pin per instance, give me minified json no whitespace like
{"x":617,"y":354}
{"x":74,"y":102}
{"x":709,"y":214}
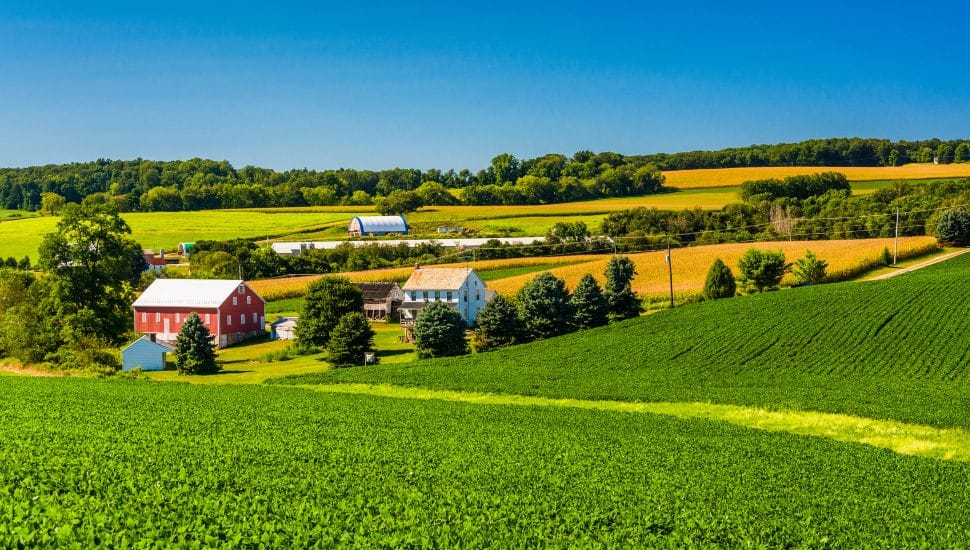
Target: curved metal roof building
{"x":377,"y":225}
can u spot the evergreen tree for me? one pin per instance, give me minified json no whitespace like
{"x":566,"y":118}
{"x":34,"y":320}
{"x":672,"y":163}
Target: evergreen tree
{"x":194,"y":349}
{"x":350,"y":339}
{"x":546,"y":309}
{"x":589,"y":303}
{"x":327,"y":300}
{"x":439,"y":331}
{"x":623,"y":302}
{"x":720,"y":281}
{"x":497,"y":324}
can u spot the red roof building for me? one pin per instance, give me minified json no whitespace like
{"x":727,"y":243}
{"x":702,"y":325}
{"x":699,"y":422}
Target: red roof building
{"x":231,"y":310}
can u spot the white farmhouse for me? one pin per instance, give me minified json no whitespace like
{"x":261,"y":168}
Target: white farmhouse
{"x":460,"y":288}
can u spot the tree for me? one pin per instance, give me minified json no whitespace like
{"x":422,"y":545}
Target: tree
{"x":195,"y":352}
{"x":161,"y":199}
{"x":350,"y":340}
{"x":589,"y":303}
{"x":545,"y":306}
{"x":506,"y":168}
{"x":762,"y":270}
{"x":439,"y":331}
{"x":398,"y":203}
{"x":962,"y":152}
{"x":497,"y":324}
{"x":810,"y":270}
{"x":893,"y":157}
{"x":623,"y":302}
{"x":24,"y":264}
{"x":93,"y":267}
{"x":953,"y":227}
{"x":327,"y":300}
{"x":432,"y":193}
{"x":51,"y":204}
{"x":720,"y":281}
{"x":10,"y":262}
{"x":572,"y":232}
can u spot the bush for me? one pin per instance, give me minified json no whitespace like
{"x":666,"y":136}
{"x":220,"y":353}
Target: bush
{"x":328,"y":299}
{"x":810,"y":270}
{"x":720,"y":282}
{"x":497,"y":325}
{"x":439,"y":331}
{"x":953,"y":228}
{"x":762,"y":270}
{"x":350,"y":340}
{"x":546,"y":309}
{"x":886,"y":257}
{"x":194,"y":351}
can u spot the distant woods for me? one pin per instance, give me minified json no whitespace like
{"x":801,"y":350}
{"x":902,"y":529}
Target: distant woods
{"x":198,"y":184}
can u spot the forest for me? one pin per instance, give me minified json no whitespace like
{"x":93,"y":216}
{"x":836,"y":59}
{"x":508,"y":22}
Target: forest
{"x":201,"y":184}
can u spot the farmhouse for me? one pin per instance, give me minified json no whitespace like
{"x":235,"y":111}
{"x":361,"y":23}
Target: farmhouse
{"x":283,"y":328}
{"x":381,"y":300}
{"x":231,"y":310}
{"x":375,"y":226}
{"x":460,"y":288}
{"x":145,"y":353}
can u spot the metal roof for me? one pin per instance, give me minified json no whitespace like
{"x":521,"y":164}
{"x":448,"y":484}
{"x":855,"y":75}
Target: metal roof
{"x":207,"y":293}
{"x":381,"y":224}
{"x":294,"y":247}
{"x":147,"y":340}
{"x":438,"y":278}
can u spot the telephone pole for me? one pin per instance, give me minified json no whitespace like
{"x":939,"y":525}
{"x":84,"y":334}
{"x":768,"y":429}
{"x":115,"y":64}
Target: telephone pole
{"x":896,"y":240}
{"x":670,"y":271}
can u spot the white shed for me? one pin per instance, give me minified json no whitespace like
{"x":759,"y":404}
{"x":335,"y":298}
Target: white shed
{"x":377,"y":226}
{"x":283,"y":328}
{"x":146,"y":353}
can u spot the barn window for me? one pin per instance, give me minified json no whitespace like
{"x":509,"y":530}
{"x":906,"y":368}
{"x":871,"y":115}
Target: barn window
{"x":249,"y":300}
{"x":235,"y":301}
{"x":254,"y":318}
{"x":242,"y":288}
{"x":208,"y":318}
{"x":229,"y":320}
{"x":242,"y":318}
{"x":144,"y":317}
{"x":178,"y":318}
{"x":158,"y":317}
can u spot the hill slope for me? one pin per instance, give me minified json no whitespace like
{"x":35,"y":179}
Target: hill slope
{"x":898,"y":348}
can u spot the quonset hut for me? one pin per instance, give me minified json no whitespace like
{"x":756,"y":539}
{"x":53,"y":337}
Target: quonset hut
{"x":375,"y":226}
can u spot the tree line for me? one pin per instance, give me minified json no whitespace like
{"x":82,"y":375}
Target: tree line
{"x":201,"y":184}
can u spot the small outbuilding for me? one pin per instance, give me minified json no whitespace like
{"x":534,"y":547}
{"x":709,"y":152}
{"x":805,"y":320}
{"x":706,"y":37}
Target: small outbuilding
{"x":376,"y":226}
{"x":185,"y":248}
{"x":283,"y":328}
{"x":146,"y":353}
{"x":381,"y":300}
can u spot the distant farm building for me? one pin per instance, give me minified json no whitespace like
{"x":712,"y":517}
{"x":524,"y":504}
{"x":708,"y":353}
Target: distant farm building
{"x":291,"y":248}
{"x":145,"y":353}
{"x":185,"y":248}
{"x":155,"y":262}
{"x":381,"y":300}
{"x":283,"y":328}
{"x":231,"y":310}
{"x":376,"y":226}
{"x":460,"y":288}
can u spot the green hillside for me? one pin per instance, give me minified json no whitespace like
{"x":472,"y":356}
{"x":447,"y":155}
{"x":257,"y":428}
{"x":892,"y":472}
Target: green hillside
{"x":121,"y":463}
{"x":898,"y":348}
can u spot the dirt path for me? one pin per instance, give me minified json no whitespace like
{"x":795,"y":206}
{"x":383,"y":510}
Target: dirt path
{"x":920,"y":265}
{"x":26,"y":371}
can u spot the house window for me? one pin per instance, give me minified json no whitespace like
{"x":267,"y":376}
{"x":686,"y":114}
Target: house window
{"x":242,"y":318}
{"x":448,"y":295}
{"x":478,"y":296}
{"x":465,"y":296}
{"x":229,"y":320}
{"x":158,"y":317}
{"x":249,"y":300}
{"x":144,"y":317}
{"x":235,"y":301}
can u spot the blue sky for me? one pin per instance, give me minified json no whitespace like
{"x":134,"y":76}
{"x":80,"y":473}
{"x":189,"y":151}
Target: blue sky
{"x":378,"y":85}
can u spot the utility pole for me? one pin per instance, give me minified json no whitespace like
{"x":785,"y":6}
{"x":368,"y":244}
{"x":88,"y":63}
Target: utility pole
{"x":670,"y":271}
{"x":896,"y":240}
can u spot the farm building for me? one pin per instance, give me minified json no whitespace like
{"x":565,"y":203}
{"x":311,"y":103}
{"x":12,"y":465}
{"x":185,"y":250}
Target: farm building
{"x":283,"y":328}
{"x":155,"y":262}
{"x":375,"y":226}
{"x":231,"y":310}
{"x":145,"y":353}
{"x":460,"y":288}
{"x":381,"y":300}
{"x":185,"y":248}
{"x":291,"y":248}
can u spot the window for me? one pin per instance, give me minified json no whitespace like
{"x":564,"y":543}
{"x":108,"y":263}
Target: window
{"x":144,"y":317}
{"x":249,"y":300}
{"x":208,"y":318}
{"x":478,"y":295}
{"x":178,"y":318}
{"x":158,"y":317}
{"x":242,"y":318}
{"x":465,"y":296}
{"x":254,"y":318}
{"x":229,"y":320}
{"x":448,"y":295}
{"x":242,"y":288}
{"x":235,"y":301}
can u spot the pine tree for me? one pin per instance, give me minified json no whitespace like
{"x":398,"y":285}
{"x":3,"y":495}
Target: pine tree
{"x":720,"y":281}
{"x":350,"y":339}
{"x":327,"y":300}
{"x":194,"y":351}
{"x":623,"y":302}
{"x":497,"y":324}
{"x":439,"y":331}
{"x":589,"y":303}
{"x":546,"y":310}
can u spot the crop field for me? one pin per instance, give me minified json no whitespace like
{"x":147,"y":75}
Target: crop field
{"x":893,"y":349}
{"x":727,"y":177}
{"x":121,"y":463}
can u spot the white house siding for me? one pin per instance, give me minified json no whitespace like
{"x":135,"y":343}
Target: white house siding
{"x":469,"y":299}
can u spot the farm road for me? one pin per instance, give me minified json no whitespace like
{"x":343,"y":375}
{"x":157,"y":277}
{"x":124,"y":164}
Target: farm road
{"x":921,"y":265}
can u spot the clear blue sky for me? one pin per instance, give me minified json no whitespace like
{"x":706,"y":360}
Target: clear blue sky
{"x":304,"y":84}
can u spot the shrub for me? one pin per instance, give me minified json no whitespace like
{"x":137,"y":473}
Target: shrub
{"x":439,"y":331}
{"x":194,"y":351}
{"x":762,"y":270}
{"x":589,"y":303}
{"x":720,"y":281}
{"x":810,"y":270}
{"x":327,"y":300}
{"x":350,"y":339}
{"x":886,"y":257}
{"x":953,"y":228}
{"x":497,"y":324}
{"x":545,"y":306}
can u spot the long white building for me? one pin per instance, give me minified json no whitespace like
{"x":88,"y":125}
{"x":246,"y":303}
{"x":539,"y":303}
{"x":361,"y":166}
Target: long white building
{"x":296,"y":247}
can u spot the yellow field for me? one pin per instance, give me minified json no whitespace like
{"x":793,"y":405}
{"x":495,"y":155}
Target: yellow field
{"x":728,"y":177}
{"x":691,"y":264}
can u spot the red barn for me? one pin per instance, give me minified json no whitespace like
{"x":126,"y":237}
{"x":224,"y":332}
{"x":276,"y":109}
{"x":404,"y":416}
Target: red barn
{"x":231,"y":310}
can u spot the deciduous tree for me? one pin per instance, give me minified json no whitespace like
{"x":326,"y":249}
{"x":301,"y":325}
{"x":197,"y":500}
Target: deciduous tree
{"x":762,"y":270}
{"x":327,"y":300}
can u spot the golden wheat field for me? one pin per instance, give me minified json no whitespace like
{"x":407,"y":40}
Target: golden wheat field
{"x":728,"y":177}
{"x":690,"y":265}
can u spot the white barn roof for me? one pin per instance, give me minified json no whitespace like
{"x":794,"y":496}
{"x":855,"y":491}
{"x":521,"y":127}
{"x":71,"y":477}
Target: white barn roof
{"x":381,"y":224}
{"x":207,"y":293}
